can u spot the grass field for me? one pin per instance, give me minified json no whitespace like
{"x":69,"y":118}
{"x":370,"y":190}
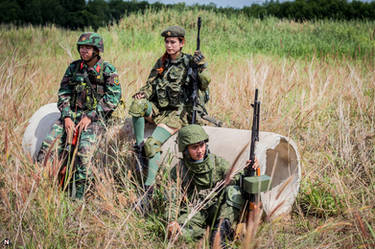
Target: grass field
{"x":317,"y":86}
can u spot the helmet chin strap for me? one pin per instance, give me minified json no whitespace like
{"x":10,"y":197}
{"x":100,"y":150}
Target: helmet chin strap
{"x":94,"y":56}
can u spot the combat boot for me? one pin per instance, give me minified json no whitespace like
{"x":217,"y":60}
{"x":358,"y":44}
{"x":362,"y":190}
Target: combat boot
{"x":78,"y":189}
{"x":139,"y":151}
{"x":144,"y":205}
{"x":225,"y":233}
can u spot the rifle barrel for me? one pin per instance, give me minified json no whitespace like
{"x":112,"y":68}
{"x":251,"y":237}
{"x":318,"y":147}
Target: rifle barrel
{"x":199,"y":30}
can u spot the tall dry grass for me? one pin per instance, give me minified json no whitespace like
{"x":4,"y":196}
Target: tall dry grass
{"x":326,"y":104}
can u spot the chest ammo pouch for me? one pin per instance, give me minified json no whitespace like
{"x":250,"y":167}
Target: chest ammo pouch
{"x":88,"y":89}
{"x":169,"y":90}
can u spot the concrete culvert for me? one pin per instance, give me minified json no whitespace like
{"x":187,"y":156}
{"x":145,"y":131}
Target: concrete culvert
{"x":278,"y":155}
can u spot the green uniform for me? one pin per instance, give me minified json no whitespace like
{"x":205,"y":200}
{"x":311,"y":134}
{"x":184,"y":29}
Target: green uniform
{"x":167,"y":96}
{"x":168,"y":90}
{"x":199,"y":179}
{"x":76,"y":99}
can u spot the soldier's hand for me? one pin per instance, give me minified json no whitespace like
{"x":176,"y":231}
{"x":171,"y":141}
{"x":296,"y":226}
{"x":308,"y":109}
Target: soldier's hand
{"x":255,"y":165}
{"x":83,"y":124}
{"x":198,"y":58}
{"x":173,"y":229}
{"x":69,"y":126}
{"x":139,"y":95}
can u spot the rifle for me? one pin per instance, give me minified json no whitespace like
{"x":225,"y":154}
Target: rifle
{"x":254,"y":134}
{"x":251,"y":181}
{"x":66,"y":171}
{"x":194,"y":73}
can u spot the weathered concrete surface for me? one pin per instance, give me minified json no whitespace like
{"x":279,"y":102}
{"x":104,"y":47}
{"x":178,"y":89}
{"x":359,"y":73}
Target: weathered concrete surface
{"x":38,"y":128}
{"x":278,"y":155}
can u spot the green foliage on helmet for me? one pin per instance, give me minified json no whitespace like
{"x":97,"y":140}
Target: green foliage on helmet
{"x":91,"y":39}
{"x":190,"y":134}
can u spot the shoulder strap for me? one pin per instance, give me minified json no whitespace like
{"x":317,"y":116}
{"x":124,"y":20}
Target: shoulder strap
{"x":77,"y":67}
{"x":187,"y":59}
{"x":101,"y":72}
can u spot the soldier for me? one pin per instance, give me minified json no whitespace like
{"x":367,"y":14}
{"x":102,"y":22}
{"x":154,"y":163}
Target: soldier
{"x":165,"y":99}
{"x":89,"y":92}
{"x":198,"y":172}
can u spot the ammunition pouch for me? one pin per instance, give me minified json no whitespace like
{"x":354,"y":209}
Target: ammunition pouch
{"x":86,"y":93}
{"x":255,"y":184}
{"x":234,"y":196}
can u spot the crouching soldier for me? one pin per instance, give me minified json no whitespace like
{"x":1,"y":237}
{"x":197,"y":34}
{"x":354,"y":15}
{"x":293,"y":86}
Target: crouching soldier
{"x":89,"y":92}
{"x":198,"y":173}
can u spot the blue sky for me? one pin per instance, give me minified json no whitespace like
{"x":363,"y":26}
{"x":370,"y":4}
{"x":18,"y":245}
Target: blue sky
{"x":219,"y":3}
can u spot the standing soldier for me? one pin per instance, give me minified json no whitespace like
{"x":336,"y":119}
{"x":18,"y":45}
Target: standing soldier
{"x":165,"y":99}
{"x":89,"y":92}
{"x":198,"y":173}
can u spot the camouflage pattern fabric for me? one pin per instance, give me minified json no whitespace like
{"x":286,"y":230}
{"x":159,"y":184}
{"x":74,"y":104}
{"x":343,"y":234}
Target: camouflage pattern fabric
{"x":190,"y":134}
{"x":75,"y":96}
{"x":76,"y":99}
{"x":86,"y":147}
{"x":168,"y":88}
{"x":91,"y":39}
{"x":200,"y":179}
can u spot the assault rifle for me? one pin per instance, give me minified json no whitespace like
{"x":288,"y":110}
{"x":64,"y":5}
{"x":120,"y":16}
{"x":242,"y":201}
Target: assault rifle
{"x":249,"y":171}
{"x":251,"y":181}
{"x":194,"y":74}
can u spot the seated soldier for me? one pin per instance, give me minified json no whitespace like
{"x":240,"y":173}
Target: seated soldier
{"x":165,"y":100}
{"x":89,"y":92}
{"x":198,"y":172}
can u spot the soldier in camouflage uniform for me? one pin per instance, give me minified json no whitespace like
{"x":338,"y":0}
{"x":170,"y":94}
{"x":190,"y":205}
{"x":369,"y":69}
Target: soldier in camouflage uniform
{"x":198,"y":173}
{"x":89,"y":92}
{"x":165,"y":99}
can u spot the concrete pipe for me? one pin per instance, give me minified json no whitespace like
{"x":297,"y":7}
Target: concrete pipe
{"x":278,"y":155}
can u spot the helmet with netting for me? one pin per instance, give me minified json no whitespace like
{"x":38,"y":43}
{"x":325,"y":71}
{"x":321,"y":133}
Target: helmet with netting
{"x":191,"y":134}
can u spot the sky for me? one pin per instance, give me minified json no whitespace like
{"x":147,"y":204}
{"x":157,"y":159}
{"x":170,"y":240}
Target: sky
{"x":219,"y":3}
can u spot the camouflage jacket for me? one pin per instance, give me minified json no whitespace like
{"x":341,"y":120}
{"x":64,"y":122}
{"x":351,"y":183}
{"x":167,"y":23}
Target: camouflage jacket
{"x":76,"y":97}
{"x":168,"y":85}
{"x":199,"y":179}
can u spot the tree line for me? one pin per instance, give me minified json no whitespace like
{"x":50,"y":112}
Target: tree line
{"x":77,"y":14}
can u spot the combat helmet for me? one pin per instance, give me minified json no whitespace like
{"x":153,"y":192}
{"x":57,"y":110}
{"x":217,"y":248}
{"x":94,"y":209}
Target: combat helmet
{"x":91,"y":39}
{"x":190,"y":134}
{"x":173,"y":31}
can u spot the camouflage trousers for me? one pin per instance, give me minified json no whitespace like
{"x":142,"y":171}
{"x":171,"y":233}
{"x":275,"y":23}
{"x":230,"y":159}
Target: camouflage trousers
{"x":86,"y":143}
{"x":208,"y":216}
{"x":169,"y":116}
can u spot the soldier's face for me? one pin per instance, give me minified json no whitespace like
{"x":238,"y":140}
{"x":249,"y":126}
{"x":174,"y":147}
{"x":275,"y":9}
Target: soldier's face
{"x":197,"y":151}
{"x":173,"y":45}
{"x":86,"y":52}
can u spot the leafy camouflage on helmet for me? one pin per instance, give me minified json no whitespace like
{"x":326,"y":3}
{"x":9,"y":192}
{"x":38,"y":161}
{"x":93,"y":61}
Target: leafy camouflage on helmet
{"x":92,"y":39}
{"x":173,"y":31}
{"x":190,"y":134}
